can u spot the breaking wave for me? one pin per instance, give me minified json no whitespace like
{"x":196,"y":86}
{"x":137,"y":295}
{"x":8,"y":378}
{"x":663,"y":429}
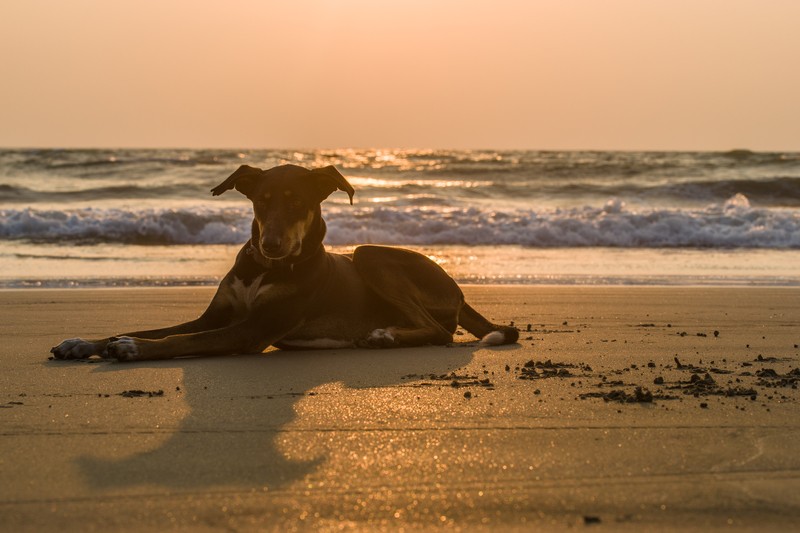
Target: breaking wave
{"x":732,"y":224}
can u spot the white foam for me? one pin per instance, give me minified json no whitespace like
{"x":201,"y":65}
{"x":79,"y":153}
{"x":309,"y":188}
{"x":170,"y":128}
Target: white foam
{"x":734,"y":224}
{"x":146,"y":226}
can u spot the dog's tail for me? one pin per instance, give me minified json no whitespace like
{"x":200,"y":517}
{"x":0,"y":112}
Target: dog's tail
{"x":489,"y":334}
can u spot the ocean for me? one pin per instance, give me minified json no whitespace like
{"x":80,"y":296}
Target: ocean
{"x":110,"y":218}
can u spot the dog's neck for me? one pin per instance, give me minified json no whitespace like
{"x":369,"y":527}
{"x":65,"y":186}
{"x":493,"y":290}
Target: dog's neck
{"x":312,"y":248}
{"x":287,"y":262}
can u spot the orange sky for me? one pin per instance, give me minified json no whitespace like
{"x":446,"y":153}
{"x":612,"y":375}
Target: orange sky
{"x":539,"y":74}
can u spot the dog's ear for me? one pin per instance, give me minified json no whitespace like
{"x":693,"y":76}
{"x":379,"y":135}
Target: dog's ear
{"x":329,"y":180}
{"x":243,"y":180}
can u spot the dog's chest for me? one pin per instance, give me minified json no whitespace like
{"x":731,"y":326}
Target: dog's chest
{"x":244,"y":296}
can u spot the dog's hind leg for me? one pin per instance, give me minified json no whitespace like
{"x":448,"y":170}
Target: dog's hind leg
{"x":394,"y":336}
{"x":414,"y":290}
{"x":426,"y":299}
{"x":489,"y":333}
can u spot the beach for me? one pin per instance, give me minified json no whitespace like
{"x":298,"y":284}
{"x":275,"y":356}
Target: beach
{"x":621,"y":408}
{"x":619,"y":183}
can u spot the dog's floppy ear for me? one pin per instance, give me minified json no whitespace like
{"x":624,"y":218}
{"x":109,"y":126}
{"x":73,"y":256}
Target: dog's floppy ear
{"x":242,"y":179}
{"x":329,"y":180}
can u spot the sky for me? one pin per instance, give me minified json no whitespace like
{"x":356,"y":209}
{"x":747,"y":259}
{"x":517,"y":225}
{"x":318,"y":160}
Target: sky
{"x":493,"y":74}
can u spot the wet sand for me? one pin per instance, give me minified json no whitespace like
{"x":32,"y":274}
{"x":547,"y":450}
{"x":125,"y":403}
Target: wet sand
{"x":621,"y":408}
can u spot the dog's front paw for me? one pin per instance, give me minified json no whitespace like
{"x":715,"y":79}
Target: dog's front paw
{"x":74,"y":349}
{"x":381,"y":338}
{"x":122,"y":349}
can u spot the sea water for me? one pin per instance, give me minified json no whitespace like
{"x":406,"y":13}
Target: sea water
{"x":76,"y":218}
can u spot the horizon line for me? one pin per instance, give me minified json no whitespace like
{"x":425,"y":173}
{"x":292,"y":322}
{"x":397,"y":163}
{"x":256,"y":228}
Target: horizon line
{"x":397,"y":148}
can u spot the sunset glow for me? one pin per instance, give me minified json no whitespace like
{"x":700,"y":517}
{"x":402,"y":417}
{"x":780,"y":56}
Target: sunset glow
{"x":622,"y":74}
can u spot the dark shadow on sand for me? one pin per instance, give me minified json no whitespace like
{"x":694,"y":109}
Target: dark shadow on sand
{"x":240,"y":405}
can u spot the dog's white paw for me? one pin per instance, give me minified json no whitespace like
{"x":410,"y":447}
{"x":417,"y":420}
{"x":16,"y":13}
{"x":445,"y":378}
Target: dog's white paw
{"x":122,"y":349}
{"x":74,"y":349}
{"x":381,"y":338}
{"x":493,"y":338}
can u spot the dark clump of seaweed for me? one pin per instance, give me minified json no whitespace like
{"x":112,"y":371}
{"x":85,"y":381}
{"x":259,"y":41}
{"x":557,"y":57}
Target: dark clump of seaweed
{"x":768,"y":377}
{"x":639,"y":395}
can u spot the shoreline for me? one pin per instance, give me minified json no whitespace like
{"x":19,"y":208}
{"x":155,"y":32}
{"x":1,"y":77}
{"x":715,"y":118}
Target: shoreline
{"x":570,"y":427}
{"x":66,"y":266}
{"x":89,"y":285}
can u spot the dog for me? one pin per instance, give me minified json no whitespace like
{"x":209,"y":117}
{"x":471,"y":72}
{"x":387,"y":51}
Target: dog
{"x":285,"y":290}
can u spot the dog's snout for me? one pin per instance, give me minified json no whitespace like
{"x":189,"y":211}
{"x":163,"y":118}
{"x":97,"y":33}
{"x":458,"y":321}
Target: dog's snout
{"x":270,"y":243}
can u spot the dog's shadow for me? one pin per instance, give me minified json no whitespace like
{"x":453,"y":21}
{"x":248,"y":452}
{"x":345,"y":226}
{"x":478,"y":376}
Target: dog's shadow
{"x":240,"y":406}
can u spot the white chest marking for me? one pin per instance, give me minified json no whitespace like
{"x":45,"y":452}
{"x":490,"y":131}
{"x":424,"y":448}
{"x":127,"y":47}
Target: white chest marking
{"x":244,"y":296}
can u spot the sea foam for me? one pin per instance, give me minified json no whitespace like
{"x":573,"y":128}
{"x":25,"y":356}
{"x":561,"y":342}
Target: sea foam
{"x":733,"y":224}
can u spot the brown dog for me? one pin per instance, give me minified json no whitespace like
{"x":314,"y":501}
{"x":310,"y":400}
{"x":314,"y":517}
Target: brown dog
{"x":285,"y":290}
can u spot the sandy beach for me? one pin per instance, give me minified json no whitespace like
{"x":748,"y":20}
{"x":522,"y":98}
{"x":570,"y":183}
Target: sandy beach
{"x":621,"y":408}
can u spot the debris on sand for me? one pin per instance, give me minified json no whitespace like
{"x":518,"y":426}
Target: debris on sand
{"x":770,"y":378}
{"x":706,"y":386}
{"x":701,"y":380}
{"x":455,"y":380}
{"x":547,"y":369}
{"x":762,"y":359}
{"x":704,"y":383}
{"x":692,"y":368}
{"x":141,"y":393}
{"x":639,"y":395}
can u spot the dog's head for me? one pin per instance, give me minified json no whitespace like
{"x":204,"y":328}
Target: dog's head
{"x":286,"y":205}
